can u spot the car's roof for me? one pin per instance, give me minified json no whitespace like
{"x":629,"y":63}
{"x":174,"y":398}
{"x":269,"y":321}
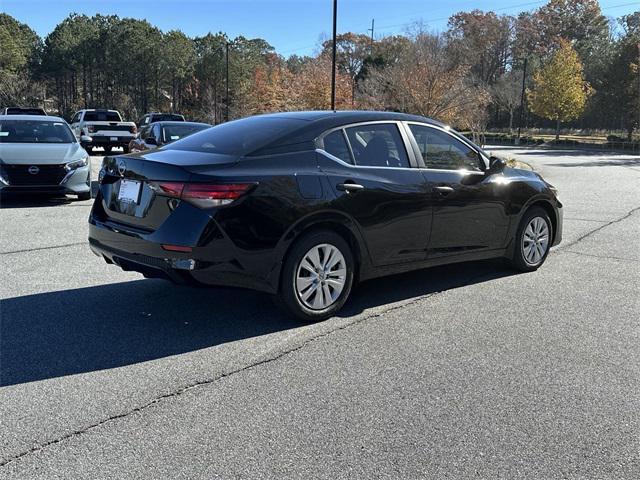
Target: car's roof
{"x":47,"y":118}
{"x":350,"y":116}
{"x":97,"y":110}
{"x":173,"y":122}
{"x":307,"y":126}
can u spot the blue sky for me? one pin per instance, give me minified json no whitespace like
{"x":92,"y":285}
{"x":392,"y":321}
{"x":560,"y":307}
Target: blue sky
{"x":291,"y":26}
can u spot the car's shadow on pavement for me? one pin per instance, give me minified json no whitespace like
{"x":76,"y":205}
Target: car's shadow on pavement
{"x":34,"y":201}
{"x":68,"y":332}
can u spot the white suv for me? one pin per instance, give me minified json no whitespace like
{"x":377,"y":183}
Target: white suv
{"x":102,"y":128}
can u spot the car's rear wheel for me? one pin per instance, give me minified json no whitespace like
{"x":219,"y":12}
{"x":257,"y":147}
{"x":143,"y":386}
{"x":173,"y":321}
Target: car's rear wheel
{"x":533,"y":240}
{"x":84,"y":196}
{"x":317,"y":276}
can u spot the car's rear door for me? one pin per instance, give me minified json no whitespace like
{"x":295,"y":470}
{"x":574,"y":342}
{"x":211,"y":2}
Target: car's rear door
{"x":373,"y":172}
{"x":469,"y":210}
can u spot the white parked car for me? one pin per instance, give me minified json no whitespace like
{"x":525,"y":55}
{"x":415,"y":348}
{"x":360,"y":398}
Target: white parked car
{"x":41,"y":154}
{"x":103,"y":128}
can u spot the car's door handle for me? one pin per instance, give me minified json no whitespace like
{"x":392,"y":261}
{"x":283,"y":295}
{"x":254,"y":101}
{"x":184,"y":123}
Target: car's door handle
{"x":349,"y":187}
{"x":443,"y":190}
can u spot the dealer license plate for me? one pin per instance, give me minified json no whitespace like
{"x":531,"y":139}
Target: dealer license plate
{"x":129,"y":191}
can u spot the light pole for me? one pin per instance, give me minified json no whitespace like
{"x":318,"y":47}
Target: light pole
{"x":226,"y":83}
{"x":333,"y":56}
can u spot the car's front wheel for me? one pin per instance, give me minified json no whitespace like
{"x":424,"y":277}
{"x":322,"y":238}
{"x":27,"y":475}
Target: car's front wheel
{"x":317,"y":276}
{"x":533,"y":240}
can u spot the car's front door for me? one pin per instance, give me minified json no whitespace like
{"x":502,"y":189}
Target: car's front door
{"x":377,"y":184}
{"x":469,"y":211}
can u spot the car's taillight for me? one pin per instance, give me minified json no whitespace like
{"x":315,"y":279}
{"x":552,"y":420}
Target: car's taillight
{"x":205,"y":195}
{"x":133,"y":129}
{"x":91,"y":129}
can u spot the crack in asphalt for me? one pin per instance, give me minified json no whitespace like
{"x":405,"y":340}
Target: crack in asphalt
{"x":604,"y":257}
{"x":595,"y":230}
{"x":201,"y":383}
{"x":282,"y":354}
{"x":26,"y":250}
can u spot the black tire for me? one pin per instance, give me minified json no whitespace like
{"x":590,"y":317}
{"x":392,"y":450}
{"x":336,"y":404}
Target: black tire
{"x":518,"y":260}
{"x":107,"y":149}
{"x":84,"y":196}
{"x":288,"y":299}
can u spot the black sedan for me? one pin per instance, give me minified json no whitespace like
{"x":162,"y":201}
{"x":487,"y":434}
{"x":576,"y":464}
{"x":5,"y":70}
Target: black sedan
{"x":304,"y":205}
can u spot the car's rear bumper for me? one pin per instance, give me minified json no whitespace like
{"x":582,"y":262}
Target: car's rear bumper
{"x":109,"y":141}
{"x":213,"y":260}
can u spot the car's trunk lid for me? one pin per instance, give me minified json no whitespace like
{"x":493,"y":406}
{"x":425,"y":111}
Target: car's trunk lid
{"x":130,"y":184}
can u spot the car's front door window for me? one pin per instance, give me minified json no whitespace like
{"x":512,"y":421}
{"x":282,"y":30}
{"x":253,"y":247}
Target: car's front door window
{"x":442,"y":151}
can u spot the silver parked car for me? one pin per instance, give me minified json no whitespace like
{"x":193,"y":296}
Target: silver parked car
{"x":41,"y":154}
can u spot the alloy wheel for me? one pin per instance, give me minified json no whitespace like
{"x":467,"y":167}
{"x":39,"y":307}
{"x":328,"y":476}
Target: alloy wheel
{"x":535,"y":241}
{"x":321,"y":276}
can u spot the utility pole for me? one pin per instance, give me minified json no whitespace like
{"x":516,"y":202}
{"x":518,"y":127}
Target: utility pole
{"x":333,"y":56}
{"x":524,"y":78}
{"x":226,"y":83}
{"x":373,"y":20}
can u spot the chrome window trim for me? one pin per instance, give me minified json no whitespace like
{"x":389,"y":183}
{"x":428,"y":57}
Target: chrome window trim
{"x":447,"y":131}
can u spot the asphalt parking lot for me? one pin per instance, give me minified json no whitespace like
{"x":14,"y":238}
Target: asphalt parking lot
{"x":454,"y":372}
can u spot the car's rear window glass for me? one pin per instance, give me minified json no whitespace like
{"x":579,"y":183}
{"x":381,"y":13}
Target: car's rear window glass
{"x":102,"y":117}
{"x":336,"y":145}
{"x":171,"y":133}
{"x":162,"y":117}
{"x":25,"y":111}
{"x":378,"y":145}
{"x":35,"y":131}
{"x":239,"y":137}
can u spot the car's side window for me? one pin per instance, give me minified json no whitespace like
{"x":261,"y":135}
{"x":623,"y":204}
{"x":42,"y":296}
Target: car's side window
{"x":76,"y":118}
{"x":336,"y":145}
{"x":144,"y":132}
{"x":378,"y":145}
{"x":442,"y":151}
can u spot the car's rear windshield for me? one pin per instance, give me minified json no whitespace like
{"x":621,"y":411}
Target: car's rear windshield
{"x":102,"y":117}
{"x":239,"y":137}
{"x":25,"y":111}
{"x":162,"y":117}
{"x":171,"y":133}
{"x":35,"y":131}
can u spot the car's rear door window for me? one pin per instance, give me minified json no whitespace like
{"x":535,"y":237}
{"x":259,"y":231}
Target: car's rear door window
{"x":378,"y":145}
{"x":442,"y":151}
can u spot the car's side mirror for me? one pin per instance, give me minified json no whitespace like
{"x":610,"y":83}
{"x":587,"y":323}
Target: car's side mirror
{"x":151,"y":141}
{"x":85,"y":139}
{"x":496,"y":165}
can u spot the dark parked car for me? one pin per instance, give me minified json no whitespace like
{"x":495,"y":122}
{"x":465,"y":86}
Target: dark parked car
{"x":150,"y":118}
{"x":23,"y":111}
{"x":303,"y":205}
{"x":160,"y":133}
